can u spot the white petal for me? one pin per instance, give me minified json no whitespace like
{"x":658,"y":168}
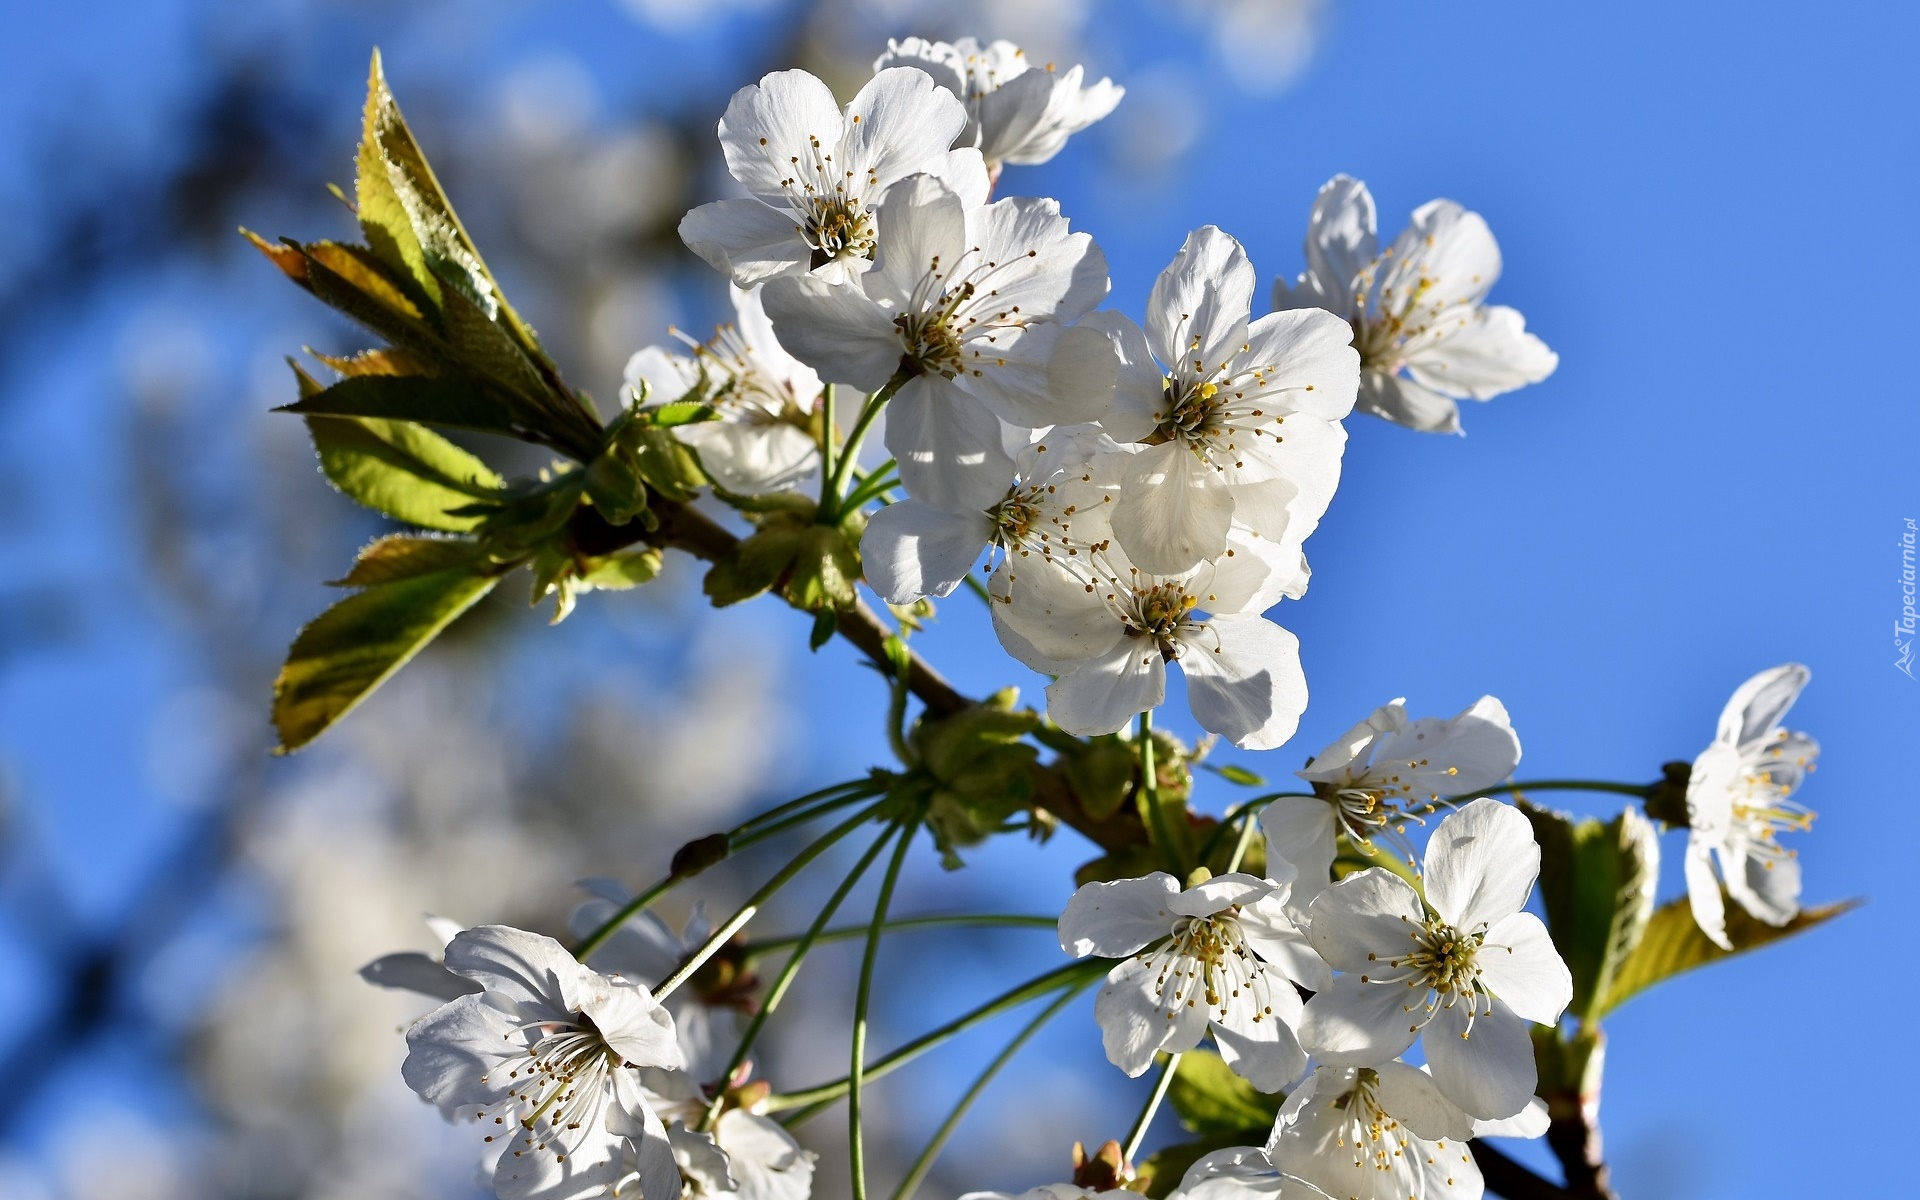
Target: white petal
{"x":1197,"y":313}
{"x":1116,"y":919}
{"x":1453,"y":757}
{"x":1133,"y":1026}
{"x":1449,"y":250}
{"x":1054,"y":614}
{"x":1103,"y":694}
{"x":769,"y":123}
{"x":1416,"y":1102}
{"x":632,"y":1023}
{"x":666,"y":376}
{"x":1044,"y":270}
{"x":1405,"y":402}
{"x":1761,"y":703}
{"x":1488,"y":1071}
{"x":1140,"y":390}
{"x":1354,"y":1024}
{"x":1529,"y":1122}
{"x":1261,"y":1047}
{"x":947,"y":446}
{"x":1244,"y":680}
{"x":1306,"y":361}
{"x":1300,"y":830}
{"x":899,"y":123}
{"x":1044,"y":375}
{"x":1370,"y":915}
{"x":1340,"y":241}
{"x":453,"y":1050}
{"x":1480,"y":353}
{"x":752,"y":458}
{"x":922,"y":225}
{"x":1219,"y":894}
{"x":526,"y":968}
{"x":1522,"y":967}
{"x":1703,"y":893}
{"x":1173,"y":511}
{"x":748,"y":240}
{"x":1276,"y":938}
{"x":1767,"y":887}
{"x":834,"y":329}
{"x":1480,"y":864}
{"x":642,"y":951}
{"x":912,"y":550}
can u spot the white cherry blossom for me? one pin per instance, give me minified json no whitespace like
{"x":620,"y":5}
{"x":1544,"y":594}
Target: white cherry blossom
{"x":1108,"y":629}
{"x":1016,"y":112}
{"x":748,"y":1156}
{"x":545,"y":1058}
{"x":1417,"y":308}
{"x":1366,"y":780}
{"x":813,"y":171}
{"x":1239,"y":418}
{"x":971,"y":302}
{"x":1222,"y":955}
{"x":763,"y":397}
{"x":1242,"y":1173}
{"x":1737,"y":805}
{"x":1046,"y":1191}
{"x":1056,"y":506}
{"x":643,"y":950}
{"x":1385,"y":1133}
{"x":1471,"y":972}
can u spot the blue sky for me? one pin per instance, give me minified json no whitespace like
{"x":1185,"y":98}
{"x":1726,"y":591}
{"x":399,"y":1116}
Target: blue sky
{"x":1701,"y":209}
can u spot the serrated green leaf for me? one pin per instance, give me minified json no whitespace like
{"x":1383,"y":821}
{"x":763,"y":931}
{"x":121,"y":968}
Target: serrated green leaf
{"x":352,"y":648}
{"x":1597,"y":882}
{"x":448,"y":402}
{"x":1210,"y":1099}
{"x":1673,"y":944}
{"x":403,"y":470}
{"x":402,"y":556}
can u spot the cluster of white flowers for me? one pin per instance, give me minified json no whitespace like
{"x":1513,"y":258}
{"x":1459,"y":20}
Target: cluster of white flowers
{"x":1141,"y":494}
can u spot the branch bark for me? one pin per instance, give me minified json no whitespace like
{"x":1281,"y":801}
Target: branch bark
{"x":1508,"y":1178}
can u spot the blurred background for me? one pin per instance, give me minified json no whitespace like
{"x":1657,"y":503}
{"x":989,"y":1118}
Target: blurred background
{"x":1715,"y":481}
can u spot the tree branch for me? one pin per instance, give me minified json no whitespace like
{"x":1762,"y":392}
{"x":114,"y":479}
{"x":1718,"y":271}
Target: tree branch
{"x":1575,"y":1140}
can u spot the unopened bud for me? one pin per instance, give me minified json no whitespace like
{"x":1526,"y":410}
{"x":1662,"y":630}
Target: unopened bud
{"x":1107,"y":1171}
{"x":699,"y":854}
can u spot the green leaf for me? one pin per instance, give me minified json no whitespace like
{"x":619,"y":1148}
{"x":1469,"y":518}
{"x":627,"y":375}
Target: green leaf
{"x":408,"y":222}
{"x":1596,"y":882}
{"x":403,"y":470}
{"x":1210,"y":1098}
{"x":1235,"y":774}
{"x":351,"y":649}
{"x":402,"y":556}
{"x":669,"y":416}
{"x":443,"y":401}
{"x":1673,"y":944}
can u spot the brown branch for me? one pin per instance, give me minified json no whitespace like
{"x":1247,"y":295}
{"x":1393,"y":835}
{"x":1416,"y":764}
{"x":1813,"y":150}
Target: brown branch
{"x":1575,"y":1139}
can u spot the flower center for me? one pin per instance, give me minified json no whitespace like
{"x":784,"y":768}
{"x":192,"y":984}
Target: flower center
{"x":1160,"y":611}
{"x":838,"y":228}
{"x":556,"y":1087}
{"x":1443,"y":966}
{"x":1207,"y":961}
{"x":1382,"y":330}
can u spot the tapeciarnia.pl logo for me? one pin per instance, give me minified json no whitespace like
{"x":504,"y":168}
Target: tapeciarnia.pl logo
{"x":1903,"y":628}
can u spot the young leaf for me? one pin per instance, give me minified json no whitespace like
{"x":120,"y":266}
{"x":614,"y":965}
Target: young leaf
{"x":449,"y":402}
{"x":1597,"y":882}
{"x":1672,"y":944}
{"x":350,"y":649}
{"x":1235,"y":774}
{"x":622,"y":570}
{"x":1210,"y":1098}
{"x":400,"y":556}
{"x":403,"y":470}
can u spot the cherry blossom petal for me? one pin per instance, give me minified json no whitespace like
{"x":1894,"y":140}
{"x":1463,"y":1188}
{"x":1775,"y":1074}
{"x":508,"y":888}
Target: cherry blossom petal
{"x":1446,"y":254}
{"x":947,"y":446}
{"x":1043,"y":375}
{"x":834,"y":329}
{"x":1703,"y":894}
{"x":769,"y":123}
{"x":1306,"y":361}
{"x":1261,"y":1046}
{"x":1480,"y":865}
{"x":1413,"y":1098}
{"x":1198,"y":309}
{"x":1133,"y":1026}
{"x":1759,"y":705}
{"x":900,"y":122}
{"x":1173,"y":512}
{"x":1300,"y":830}
{"x":1405,"y":402}
{"x":1487,"y":1070}
{"x":1102,"y":694}
{"x":1480,"y":353}
{"x":912,"y":549}
{"x":1116,"y":919}
{"x":1518,"y":961}
{"x":1341,"y":241}
{"x":1140,"y":389}
{"x":1369,"y":914}
{"x":1220,"y":893}
{"x":1244,"y":680}
{"x":1355,"y":1024}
